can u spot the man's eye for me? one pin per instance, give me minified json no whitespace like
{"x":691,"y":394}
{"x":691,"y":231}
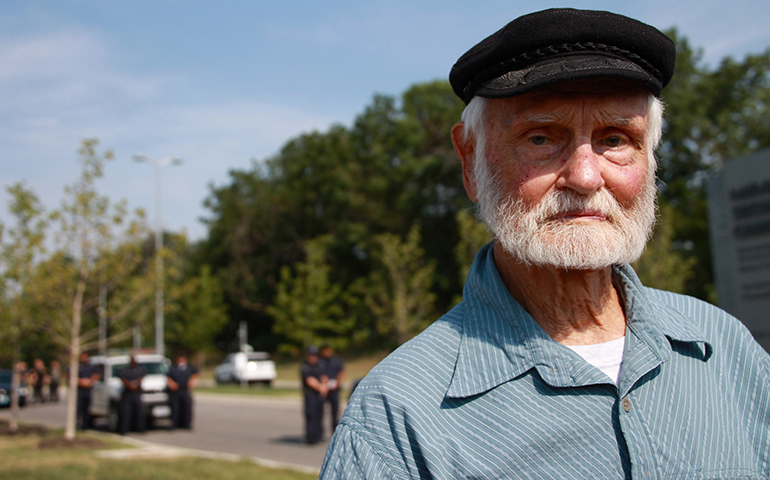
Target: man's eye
{"x":538,"y":140}
{"x":613,"y":141}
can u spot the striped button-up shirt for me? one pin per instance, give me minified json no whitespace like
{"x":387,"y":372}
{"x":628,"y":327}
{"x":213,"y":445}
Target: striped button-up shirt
{"x":486,"y":393}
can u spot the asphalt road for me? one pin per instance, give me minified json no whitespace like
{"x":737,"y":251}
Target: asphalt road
{"x":262,"y":428}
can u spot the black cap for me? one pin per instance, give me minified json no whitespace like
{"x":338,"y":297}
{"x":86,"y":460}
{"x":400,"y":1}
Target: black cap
{"x":562,"y":44}
{"x":312,"y":350}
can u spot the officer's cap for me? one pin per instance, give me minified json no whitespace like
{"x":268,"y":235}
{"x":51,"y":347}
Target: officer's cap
{"x":562,"y":44}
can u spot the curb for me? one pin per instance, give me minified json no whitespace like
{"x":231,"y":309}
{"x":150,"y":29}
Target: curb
{"x":148,"y":450}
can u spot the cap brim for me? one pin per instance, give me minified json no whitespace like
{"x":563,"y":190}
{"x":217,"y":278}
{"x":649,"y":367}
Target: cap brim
{"x":564,"y":68}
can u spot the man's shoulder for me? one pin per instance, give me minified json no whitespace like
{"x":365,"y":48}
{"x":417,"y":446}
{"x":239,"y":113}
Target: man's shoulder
{"x":695,"y":309}
{"x":718,"y":325}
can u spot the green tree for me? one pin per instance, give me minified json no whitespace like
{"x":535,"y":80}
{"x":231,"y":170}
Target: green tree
{"x":18,"y":255}
{"x":197,"y":313}
{"x":308,"y":307}
{"x":712,"y":114}
{"x":399,"y":294}
{"x":662,"y":266}
{"x":393,"y":168}
{"x":97,"y":247}
{"x":473,"y":235}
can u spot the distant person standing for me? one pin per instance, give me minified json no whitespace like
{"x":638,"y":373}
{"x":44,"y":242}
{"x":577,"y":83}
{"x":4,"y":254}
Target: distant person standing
{"x":131,"y":405}
{"x":87,"y":376}
{"x":181,"y":380}
{"x":53,"y":387}
{"x":38,"y":376}
{"x":334,"y":369}
{"x":315,"y":389}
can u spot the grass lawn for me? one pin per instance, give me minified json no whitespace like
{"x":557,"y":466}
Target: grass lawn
{"x":355,"y":368}
{"x":36,"y":453}
{"x":251,"y":390}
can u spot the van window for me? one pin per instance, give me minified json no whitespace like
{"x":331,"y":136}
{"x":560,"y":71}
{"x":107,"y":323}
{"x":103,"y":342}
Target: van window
{"x":258,"y":356}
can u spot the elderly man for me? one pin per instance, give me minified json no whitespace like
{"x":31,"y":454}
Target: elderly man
{"x":559,"y":363}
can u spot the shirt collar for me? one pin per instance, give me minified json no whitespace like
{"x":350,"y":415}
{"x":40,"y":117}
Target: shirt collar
{"x":501,"y":341}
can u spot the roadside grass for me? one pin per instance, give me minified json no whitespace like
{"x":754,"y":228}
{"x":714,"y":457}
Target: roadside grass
{"x":37,"y":453}
{"x":356,"y":367}
{"x":259,"y":390}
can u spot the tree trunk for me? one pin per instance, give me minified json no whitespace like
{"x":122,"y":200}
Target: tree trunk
{"x":13,"y":423}
{"x":72,"y":396}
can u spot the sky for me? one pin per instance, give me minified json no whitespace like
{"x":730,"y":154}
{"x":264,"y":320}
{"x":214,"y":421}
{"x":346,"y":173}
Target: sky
{"x":222,"y":85}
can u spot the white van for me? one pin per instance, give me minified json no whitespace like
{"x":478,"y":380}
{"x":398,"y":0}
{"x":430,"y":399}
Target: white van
{"x":246,"y":367}
{"x":105,"y":395}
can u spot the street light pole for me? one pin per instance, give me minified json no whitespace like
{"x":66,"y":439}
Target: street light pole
{"x":160,"y":345}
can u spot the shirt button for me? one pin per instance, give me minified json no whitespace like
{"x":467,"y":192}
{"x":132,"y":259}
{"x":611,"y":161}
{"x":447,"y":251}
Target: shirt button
{"x":626,"y":404}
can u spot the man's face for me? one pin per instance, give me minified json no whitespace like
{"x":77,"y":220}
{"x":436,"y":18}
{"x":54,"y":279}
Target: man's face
{"x":567,"y":179}
{"x":83,"y":358}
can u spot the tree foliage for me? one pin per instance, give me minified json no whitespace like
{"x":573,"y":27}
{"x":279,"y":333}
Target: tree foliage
{"x":96,"y":247}
{"x":712,"y":115}
{"x":399,"y":293}
{"x":309,"y":308}
{"x":20,"y":246}
{"x":197,"y":312}
{"x":392,"y":169}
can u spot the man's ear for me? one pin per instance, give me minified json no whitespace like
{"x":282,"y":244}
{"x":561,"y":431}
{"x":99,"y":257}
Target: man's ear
{"x":464,"y":148}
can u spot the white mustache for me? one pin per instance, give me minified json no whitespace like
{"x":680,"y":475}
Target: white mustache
{"x":564,"y":202}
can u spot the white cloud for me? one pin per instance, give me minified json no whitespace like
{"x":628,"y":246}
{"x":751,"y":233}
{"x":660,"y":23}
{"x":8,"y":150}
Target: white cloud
{"x":65,"y":70}
{"x":61,"y":87}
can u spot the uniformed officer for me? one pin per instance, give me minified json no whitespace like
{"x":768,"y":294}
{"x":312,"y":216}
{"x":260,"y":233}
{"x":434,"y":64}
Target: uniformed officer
{"x":315,"y":387}
{"x":131,"y":405}
{"x":87,"y":375}
{"x":334,"y":369}
{"x":39,"y":376}
{"x":181,"y":380}
{"x":53,"y":388}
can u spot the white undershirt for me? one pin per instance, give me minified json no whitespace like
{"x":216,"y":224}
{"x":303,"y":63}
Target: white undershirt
{"x":604,"y":356}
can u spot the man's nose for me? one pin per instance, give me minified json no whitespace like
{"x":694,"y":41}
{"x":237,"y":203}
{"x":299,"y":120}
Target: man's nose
{"x":581,"y":171}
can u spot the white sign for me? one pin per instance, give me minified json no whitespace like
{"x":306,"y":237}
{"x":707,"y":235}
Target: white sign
{"x":739,"y":218}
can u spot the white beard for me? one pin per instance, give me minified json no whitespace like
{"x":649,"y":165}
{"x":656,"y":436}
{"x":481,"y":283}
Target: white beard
{"x":534,"y":236}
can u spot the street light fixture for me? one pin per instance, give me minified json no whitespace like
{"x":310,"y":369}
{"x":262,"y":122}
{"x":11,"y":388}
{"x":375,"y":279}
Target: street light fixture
{"x":158,"y":164}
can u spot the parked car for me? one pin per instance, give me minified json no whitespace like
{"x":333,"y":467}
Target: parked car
{"x":250,"y":367}
{"x":5,"y":389}
{"x":105,"y":396}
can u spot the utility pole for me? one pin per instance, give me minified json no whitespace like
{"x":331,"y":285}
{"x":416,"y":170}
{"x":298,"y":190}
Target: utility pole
{"x":102,"y":311}
{"x":160,"y":347}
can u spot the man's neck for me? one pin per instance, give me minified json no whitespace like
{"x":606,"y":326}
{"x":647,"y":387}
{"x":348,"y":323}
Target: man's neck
{"x":574,"y":307}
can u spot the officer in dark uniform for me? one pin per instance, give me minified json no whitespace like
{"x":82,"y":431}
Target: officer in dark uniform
{"x":334,"y":369}
{"x":181,"y":380}
{"x":38,"y":374}
{"x":131,"y":405}
{"x":315,"y":388}
{"x":87,"y":375}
